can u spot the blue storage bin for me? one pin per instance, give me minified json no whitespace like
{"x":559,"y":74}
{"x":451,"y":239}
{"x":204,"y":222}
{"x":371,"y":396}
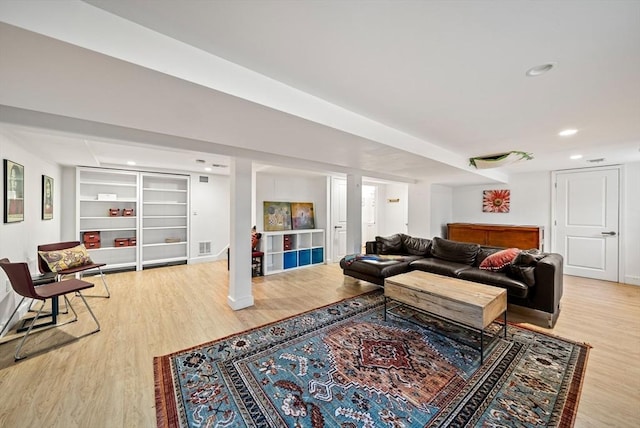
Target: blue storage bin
{"x":304,"y":257}
{"x":290,"y":260}
{"x":317,"y":255}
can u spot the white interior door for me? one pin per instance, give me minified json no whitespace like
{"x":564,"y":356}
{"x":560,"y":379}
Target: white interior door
{"x":339,"y":218}
{"x":587,"y":205}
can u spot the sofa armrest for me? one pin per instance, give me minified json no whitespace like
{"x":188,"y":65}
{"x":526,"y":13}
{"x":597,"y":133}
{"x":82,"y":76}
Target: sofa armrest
{"x":546,"y":293}
{"x":371,"y":247}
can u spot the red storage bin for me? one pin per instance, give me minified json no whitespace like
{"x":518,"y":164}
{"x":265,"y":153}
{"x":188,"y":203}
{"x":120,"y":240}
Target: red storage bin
{"x":286,"y":242}
{"x":90,"y":237}
{"x":121,"y":242}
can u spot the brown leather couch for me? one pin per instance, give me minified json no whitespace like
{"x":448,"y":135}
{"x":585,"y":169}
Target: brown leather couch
{"x":533,"y":280}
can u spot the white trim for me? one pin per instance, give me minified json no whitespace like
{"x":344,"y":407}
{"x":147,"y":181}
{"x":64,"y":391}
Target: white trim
{"x":632,"y":280}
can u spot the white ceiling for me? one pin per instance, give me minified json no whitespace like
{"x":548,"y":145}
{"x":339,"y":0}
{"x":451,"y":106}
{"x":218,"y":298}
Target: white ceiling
{"x":409,"y":82}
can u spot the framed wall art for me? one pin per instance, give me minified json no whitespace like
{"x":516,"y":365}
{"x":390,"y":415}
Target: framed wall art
{"x":302,"y":215}
{"x":496,"y":201}
{"x":13,"y":192}
{"x":47,"y":197}
{"x":277,"y":215}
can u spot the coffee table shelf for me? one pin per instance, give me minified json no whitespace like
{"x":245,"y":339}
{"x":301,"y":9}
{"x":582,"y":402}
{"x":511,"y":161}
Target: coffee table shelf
{"x":468,"y":303}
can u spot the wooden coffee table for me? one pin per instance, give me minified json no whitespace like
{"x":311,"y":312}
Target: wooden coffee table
{"x":469,"y":303}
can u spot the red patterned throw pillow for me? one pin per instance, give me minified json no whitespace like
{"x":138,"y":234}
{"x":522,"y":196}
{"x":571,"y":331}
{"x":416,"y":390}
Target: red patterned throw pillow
{"x":499,"y":260}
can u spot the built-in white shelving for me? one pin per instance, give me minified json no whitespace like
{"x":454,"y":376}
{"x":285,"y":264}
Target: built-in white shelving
{"x":292,"y":249}
{"x":157,"y":230}
{"x":165,"y":220}
{"x":98,"y":191}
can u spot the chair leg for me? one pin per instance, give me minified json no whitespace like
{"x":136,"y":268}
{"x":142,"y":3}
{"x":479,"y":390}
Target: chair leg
{"x":104,"y":283}
{"x":24,"y":338}
{"x":91,"y":312}
{"x":12,"y":314}
{"x":75,"y":318}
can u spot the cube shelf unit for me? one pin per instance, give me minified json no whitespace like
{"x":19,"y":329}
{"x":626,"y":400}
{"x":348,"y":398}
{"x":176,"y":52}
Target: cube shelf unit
{"x":292,"y":249}
{"x":165,"y":219}
{"x":98,"y":191}
{"x":159,"y":226}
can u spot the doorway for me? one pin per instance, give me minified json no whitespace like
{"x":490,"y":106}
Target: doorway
{"x":587,"y":220}
{"x":339,"y":215}
{"x":369,"y":212}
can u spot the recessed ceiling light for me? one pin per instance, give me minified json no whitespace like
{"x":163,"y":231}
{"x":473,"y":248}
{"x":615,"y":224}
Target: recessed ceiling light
{"x":540,"y":69}
{"x":567,"y":132}
{"x":574,"y":157}
{"x":131,"y":163}
{"x":208,"y":168}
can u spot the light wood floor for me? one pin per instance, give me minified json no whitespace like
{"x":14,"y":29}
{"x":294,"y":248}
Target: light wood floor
{"x":106,"y":379}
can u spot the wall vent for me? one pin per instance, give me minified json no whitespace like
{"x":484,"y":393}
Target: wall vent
{"x":204,"y":179}
{"x":204,"y":248}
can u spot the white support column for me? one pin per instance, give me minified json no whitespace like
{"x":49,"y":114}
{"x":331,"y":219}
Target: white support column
{"x":354,"y":213}
{"x":240,"y":291}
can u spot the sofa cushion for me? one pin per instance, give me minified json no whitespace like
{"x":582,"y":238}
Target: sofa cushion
{"x":484,"y":252}
{"x":453,"y":251}
{"x":514,"y":287}
{"x":499,"y":260}
{"x":438,"y":266}
{"x":390,"y":244}
{"x":416,"y":246}
{"x":382,"y":268}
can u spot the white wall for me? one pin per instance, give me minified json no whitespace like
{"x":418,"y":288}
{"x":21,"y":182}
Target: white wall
{"x":19,"y":241}
{"x":419,"y":212}
{"x":530,"y":203}
{"x":210,"y":217}
{"x":393,"y":215}
{"x":441,"y":209}
{"x":292,"y":188}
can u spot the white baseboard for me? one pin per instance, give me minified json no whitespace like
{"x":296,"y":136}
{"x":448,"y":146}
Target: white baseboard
{"x":633,"y":280}
{"x":206,"y":259}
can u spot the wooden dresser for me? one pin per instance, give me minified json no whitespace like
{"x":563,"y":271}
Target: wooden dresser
{"x":497,"y":235}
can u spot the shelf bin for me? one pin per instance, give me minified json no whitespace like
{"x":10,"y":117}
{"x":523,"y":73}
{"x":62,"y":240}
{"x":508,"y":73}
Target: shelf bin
{"x":304,"y":257}
{"x":290,"y":260}
{"x":317,"y":255}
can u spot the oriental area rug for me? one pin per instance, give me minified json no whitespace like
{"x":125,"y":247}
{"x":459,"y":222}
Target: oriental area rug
{"x":343,"y":365}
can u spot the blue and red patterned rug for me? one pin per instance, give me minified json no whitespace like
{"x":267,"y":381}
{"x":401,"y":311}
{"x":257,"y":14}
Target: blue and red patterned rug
{"x":342,"y":365}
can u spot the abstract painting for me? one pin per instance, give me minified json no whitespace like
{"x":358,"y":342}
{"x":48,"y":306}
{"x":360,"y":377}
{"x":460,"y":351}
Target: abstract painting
{"x":302,"y":215}
{"x":277,"y":215}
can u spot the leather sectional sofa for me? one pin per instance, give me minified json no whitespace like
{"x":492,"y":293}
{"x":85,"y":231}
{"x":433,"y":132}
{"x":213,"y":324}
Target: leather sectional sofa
{"x":533,"y":280}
